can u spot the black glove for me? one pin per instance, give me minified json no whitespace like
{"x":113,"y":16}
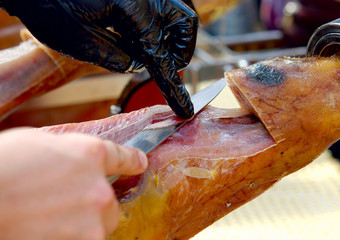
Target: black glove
{"x":119,"y":35}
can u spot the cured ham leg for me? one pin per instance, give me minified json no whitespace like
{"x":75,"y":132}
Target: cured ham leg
{"x":30,"y":69}
{"x":225,"y":158}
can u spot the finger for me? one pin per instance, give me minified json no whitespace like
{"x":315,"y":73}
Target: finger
{"x":182,"y":26}
{"x":124,"y":160}
{"x":162,"y":69}
{"x":107,"y":155}
{"x":159,"y":59}
{"x":172,"y":88}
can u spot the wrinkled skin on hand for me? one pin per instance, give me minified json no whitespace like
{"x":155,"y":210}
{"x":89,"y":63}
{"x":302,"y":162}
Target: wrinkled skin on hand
{"x":119,"y":35}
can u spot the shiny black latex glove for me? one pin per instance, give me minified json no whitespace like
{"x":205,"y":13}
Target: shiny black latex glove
{"x":119,"y":35}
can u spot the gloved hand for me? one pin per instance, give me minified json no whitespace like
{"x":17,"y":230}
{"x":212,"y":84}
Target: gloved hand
{"x":119,"y":35}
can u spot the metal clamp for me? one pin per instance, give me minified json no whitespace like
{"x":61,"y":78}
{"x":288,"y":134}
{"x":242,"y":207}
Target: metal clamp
{"x":325,"y":41}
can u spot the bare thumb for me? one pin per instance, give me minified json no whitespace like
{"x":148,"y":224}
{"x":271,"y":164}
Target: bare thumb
{"x":124,"y":160}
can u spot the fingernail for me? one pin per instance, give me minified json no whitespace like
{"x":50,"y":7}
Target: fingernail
{"x":143,"y":160}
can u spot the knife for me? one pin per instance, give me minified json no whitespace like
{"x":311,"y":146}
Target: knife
{"x":148,"y":139}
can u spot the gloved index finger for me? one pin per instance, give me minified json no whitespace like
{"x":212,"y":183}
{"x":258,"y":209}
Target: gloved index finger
{"x":176,"y":41}
{"x":163,"y":71}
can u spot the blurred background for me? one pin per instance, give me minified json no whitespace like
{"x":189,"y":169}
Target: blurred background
{"x":233,"y":34}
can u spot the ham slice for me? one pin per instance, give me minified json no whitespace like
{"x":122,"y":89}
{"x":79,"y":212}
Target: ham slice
{"x":224,"y":158}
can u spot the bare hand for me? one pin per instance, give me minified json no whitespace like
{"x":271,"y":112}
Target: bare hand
{"x":55,"y":187}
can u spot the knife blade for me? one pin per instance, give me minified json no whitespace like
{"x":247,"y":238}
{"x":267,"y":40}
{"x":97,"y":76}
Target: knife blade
{"x":148,"y":139}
